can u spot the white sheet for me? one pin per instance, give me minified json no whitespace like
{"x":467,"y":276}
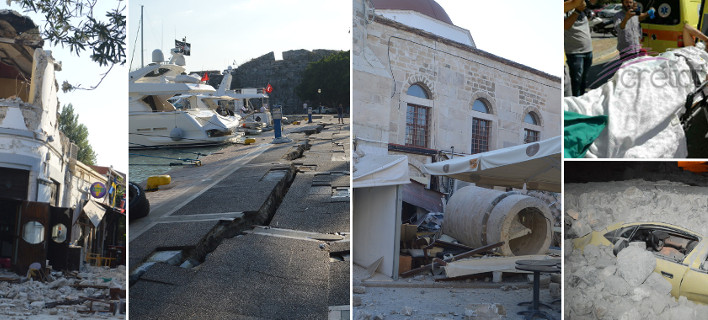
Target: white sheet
{"x":643,"y":101}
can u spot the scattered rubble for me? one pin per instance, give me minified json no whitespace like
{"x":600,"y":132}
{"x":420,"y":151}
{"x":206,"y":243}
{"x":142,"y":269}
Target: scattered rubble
{"x":599,"y":285}
{"x":99,"y":292}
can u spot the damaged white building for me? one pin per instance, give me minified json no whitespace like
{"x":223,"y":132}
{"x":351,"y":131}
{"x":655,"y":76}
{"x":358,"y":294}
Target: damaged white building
{"x":44,"y":190}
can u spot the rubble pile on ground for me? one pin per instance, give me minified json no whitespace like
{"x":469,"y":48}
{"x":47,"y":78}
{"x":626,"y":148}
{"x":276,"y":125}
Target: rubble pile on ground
{"x":599,"y":285}
{"x":65,"y":295}
{"x":594,"y":206}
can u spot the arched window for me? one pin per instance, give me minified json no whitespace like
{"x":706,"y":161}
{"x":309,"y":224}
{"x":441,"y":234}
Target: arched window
{"x":418,"y":91}
{"x":417,"y":118}
{"x":529,"y":134}
{"x":480,"y":128}
{"x":480,"y":106}
{"x":531,"y":118}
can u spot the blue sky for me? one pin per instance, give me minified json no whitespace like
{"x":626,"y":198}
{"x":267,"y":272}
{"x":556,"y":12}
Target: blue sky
{"x":527,"y":32}
{"x":225,"y":31}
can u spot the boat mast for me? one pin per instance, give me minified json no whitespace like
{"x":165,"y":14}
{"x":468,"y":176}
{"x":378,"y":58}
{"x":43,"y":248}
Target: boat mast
{"x":142,"y":31}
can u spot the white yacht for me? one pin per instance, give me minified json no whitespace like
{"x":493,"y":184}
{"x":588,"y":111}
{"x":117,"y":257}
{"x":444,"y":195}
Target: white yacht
{"x":192,"y":120}
{"x":249,"y":103}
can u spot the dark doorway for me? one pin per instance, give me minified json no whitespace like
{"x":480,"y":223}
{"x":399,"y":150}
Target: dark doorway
{"x":9,"y":231}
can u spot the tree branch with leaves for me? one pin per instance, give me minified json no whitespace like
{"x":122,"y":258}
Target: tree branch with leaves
{"x":74,"y":24}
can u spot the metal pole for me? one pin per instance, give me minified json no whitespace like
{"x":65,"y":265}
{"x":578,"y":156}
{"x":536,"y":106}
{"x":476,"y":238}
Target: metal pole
{"x":142,"y":32}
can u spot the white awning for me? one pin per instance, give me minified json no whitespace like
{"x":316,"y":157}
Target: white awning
{"x":380,"y":170}
{"x":94,"y":212}
{"x":537,"y":164}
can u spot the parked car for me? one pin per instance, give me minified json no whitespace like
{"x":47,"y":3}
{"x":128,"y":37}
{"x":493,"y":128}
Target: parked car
{"x":610,"y":10}
{"x":680,"y":254}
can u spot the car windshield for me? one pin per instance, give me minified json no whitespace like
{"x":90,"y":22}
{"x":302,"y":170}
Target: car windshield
{"x":665,"y":242}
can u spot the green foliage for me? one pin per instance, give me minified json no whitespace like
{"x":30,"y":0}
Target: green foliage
{"x":77,"y":133}
{"x":72,"y":23}
{"x":331,"y":75}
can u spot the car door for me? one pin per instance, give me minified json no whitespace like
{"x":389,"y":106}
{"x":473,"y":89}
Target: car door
{"x":695,"y":283}
{"x":672,"y":271}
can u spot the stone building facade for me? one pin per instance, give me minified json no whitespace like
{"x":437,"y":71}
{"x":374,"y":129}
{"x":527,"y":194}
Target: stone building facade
{"x":419,"y":93}
{"x":43,"y":187}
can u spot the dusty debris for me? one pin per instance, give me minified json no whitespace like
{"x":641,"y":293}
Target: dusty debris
{"x":573,"y":214}
{"x":485,"y":311}
{"x":64,"y":296}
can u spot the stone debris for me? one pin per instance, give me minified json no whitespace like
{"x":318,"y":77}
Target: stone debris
{"x":635,"y":265}
{"x":599,"y":285}
{"x":486,"y":311}
{"x":63,"y":296}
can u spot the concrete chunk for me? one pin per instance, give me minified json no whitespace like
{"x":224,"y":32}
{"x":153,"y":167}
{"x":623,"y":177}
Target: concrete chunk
{"x":635,"y":265}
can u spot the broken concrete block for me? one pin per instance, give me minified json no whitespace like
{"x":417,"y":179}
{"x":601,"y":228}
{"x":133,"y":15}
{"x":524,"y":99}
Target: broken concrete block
{"x":497,"y":276}
{"x":608,"y":271}
{"x":359,"y":289}
{"x":659,"y":283}
{"x":640,"y":293}
{"x":635,"y":265}
{"x":573,"y":214}
{"x":37,"y":304}
{"x":567,"y":248}
{"x":580,"y":229}
{"x":407,"y":311}
{"x":58,"y":283}
{"x":485,"y":311}
{"x":616,"y":285}
{"x":639,"y":244}
{"x":362,"y":315}
{"x":555,"y":290}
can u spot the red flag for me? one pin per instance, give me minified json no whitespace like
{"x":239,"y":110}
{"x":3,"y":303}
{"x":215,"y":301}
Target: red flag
{"x":205,"y":78}
{"x":269,"y":88}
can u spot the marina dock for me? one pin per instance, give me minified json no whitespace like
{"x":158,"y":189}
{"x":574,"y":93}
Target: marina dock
{"x":259,"y":231}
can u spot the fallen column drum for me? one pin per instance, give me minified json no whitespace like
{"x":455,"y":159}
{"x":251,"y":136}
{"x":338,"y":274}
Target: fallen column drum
{"x":477,"y":217}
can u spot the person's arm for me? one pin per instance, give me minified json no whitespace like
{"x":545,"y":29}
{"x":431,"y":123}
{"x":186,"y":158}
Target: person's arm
{"x":627,"y":15}
{"x":571,"y":4}
{"x":689,"y":33}
{"x":568,"y":22}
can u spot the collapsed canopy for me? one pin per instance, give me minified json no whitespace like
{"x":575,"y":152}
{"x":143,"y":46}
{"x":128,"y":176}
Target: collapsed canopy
{"x":537,"y":164}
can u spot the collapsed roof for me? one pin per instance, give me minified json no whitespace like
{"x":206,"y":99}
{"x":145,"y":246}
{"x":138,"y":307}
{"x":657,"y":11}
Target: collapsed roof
{"x":19,"y":37}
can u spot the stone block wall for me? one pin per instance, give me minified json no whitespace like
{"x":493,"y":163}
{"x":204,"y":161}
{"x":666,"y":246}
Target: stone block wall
{"x":284,"y":75}
{"x":389,"y":57}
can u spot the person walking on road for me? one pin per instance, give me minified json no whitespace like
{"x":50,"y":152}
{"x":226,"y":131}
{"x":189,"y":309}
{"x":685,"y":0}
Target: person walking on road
{"x":340,"y":112}
{"x":629,"y":32}
{"x":578,"y":46}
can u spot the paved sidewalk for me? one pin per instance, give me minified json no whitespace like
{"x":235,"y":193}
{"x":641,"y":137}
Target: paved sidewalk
{"x":301,"y":272}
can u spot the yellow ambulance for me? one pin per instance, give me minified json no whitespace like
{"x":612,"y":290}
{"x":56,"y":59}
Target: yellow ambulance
{"x":665,"y":30}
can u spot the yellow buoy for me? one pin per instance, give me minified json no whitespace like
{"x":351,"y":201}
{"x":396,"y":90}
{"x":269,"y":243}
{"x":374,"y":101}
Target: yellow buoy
{"x":155,"y":181}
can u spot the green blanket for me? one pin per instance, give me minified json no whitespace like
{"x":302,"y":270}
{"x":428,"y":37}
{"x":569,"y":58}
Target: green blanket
{"x":579,"y":132}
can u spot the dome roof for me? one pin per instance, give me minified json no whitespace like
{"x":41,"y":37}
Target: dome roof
{"x":427,"y":7}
